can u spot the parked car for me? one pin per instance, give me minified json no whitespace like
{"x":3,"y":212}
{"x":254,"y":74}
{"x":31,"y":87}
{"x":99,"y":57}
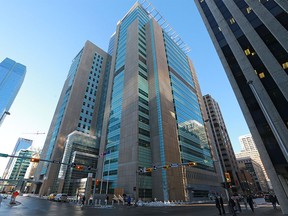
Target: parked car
{"x":61,"y":197}
{"x":51,"y":196}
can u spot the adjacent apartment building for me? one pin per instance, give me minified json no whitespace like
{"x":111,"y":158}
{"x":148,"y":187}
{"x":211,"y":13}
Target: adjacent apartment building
{"x":251,"y":40}
{"x":12,"y":75}
{"x":223,"y":144}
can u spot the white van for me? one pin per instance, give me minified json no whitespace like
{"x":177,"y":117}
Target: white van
{"x":61,"y":198}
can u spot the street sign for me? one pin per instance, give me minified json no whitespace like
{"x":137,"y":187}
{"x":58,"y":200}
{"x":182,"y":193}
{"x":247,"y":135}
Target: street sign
{"x":3,"y":155}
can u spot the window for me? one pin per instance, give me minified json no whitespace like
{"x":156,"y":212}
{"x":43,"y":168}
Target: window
{"x":247,"y":52}
{"x":248,"y":9}
{"x":285,"y":65}
{"x":261,"y":75}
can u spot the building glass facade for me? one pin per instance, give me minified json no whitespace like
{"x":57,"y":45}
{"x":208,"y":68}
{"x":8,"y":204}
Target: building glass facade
{"x":79,"y":149}
{"x":148,"y":126}
{"x":12,"y":75}
{"x":22,"y":144}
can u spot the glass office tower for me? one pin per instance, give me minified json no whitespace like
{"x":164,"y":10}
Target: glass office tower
{"x":11,"y":78}
{"x":153,"y":116}
{"x":251,"y":40}
{"x":22,"y":144}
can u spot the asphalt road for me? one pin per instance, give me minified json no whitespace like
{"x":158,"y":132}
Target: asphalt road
{"x":30,"y":206}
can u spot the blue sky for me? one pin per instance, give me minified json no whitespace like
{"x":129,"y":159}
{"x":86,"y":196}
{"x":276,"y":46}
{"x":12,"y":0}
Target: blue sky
{"x":46,"y":35}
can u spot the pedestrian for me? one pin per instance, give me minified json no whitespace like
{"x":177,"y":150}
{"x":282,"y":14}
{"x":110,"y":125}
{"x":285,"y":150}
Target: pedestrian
{"x":250,"y":202}
{"x":107,"y":199}
{"x":217,"y":204}
{"x":222,"y":204}
{"x":83,"y":199}
{"x":238,"y":205}
{"x":231,"y":204}
{"x":276,"y":199}
{"x":273,"y":201}
{"x":129,"y":200}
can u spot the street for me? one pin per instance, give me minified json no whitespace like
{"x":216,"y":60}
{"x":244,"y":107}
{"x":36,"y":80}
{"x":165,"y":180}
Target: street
{"x":41,"y":207}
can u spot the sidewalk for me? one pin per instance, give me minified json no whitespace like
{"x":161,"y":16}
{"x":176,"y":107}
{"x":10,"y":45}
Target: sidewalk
{"x":261,"y":211}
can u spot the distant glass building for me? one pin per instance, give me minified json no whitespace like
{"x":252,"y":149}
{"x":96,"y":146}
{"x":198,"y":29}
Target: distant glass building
{"x":22,"y":144}
{"x":20,"y":165}
{"x":79,"y":109}
{"x":153,"y":116}
{"x":11,"y":78}
{"x":250,"y":37}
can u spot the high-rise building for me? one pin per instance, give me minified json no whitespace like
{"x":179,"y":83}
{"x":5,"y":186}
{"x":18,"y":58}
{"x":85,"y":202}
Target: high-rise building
{"x":247,"y":143}
{"x":255,"y":170}
{"x":78,"y":109}
{"x":20,"y":165}
{"x":221,"y":138}
{"x":22,"y":144}
{"x":251,"y":40}
{"x":249,"y":149}
{"x":11,"y":78}
{"x":154,"y":115}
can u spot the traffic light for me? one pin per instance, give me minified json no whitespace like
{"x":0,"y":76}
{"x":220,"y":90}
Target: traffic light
{"x":35,"y":160}
{"x":97,"y":182}
{"x":166,"y":166}
{"x":227,"y":177}
{"x":79,"y":167}
{"x":192,"y":164}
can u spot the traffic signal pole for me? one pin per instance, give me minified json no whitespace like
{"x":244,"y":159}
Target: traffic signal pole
{"x":35,"y":160}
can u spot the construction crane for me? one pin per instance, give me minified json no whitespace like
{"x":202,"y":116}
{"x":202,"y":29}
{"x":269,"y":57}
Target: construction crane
{"x":37,"y":133}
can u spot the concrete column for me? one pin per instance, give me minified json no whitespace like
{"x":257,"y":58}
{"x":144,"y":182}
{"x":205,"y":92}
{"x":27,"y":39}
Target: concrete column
{"x":88,"y":188}
{"x":284,"y":183}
